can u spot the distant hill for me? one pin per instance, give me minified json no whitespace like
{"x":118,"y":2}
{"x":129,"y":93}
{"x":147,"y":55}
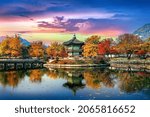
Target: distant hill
{"x":143,"y":32}
{"x":23,"y":41}
{"x":1,"y":38}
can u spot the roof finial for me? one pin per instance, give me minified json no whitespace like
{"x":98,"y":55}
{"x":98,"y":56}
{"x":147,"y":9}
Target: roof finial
{"x":74,"y":35}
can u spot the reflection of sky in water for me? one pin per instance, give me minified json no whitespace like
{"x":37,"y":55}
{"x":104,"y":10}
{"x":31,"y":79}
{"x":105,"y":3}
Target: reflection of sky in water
{"x":50,"y":88}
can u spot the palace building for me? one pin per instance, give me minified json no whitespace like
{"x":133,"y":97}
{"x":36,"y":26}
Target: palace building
{"x":74,"y":46}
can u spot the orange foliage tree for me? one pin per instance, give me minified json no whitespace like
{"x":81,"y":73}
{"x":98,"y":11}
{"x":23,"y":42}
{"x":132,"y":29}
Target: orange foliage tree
{"x":37,"y":49}
{"x":127,"y":44}
{"x":143,"y":49}
{"x":90,"y":48}
{"x":11,"y":46}
{"x":56,"y":50}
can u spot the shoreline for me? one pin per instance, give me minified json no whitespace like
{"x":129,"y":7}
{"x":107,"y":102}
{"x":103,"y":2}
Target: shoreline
{"x":75,"y":65}
{"x":131,"y":61}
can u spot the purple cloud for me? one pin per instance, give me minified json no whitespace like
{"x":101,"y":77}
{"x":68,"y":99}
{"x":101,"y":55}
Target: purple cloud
{"x":62,"y":23}
{"x":84,"y":25}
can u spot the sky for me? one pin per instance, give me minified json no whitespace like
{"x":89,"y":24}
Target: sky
{"x":58,"y":20}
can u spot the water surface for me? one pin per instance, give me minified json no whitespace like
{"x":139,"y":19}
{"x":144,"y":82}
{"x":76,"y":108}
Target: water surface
{"x":75,"y":84}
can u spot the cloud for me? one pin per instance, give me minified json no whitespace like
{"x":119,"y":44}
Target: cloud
{"x":30,"y":8}
{"x":83,"y":25}
{"x":69,"y":25}
{"x":23,"y":32}
{"x":27,"y":17}
{"x":78,"y":15}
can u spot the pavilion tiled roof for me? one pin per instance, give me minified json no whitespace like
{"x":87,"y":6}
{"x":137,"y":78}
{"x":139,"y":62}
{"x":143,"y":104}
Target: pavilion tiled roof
{"x":74,"y":40}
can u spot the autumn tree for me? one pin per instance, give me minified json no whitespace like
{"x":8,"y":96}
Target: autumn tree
{"x":90,"y":48}
{"x":143,"y":49}
{"x":146,"y":46}
{"x":11,"y":46}
{"x":56,"y":50}
{"x":4,"y":47}
{"x":127,"y":44}
{"x":37,"y":49}
{"x":104,"y":46}
{"x":113,"y":50}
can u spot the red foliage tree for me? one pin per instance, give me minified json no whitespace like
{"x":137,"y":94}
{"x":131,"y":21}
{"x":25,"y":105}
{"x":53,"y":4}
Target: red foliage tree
{"x":113,"y":50}
{"x":141,"y":52}
{"x":104,"y":47}
{"x":63,"y":53}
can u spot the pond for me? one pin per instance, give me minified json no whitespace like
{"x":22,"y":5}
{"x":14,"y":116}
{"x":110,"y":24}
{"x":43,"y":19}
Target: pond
{"x":74,"y":84}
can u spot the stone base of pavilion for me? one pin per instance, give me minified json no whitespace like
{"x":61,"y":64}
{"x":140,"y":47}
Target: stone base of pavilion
{"x":74,"y":65}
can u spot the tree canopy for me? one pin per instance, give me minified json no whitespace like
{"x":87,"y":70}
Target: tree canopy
{"x":37,"y":49}
{"x":11,"y":46}
{"x":90,"y":48}
{"x":56,"y":49}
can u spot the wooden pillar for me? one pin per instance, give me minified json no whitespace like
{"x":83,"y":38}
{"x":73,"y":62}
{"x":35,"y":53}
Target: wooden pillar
{"x":24,"y":65}
{"x":5,"y":66}
{"x":41,"y":65}
{"x":32,"y":65}
{"x":2,"y":66}
{"x":15,"y":65}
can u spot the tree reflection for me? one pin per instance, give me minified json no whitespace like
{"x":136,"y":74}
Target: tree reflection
{"x":92,"y":80}
{"x":36,"y":75}
{"x":133,"y":81}
{"x":11,"y":78}
{"x":73,"y":77}
{"x":77,"y":79}
{"x":52,"y":74}
{"x":95,"y":79}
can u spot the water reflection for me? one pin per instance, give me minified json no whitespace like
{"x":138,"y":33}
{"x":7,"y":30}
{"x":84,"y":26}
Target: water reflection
{"x":89,"y":80}
{"x":133,"y":81}
{"x":11,"y":78}
{"x":36,"y":75}
{"x":96,"y":78}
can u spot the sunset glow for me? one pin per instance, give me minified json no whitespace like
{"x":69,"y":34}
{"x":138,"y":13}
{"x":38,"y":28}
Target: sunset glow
{"x":58,"y":20}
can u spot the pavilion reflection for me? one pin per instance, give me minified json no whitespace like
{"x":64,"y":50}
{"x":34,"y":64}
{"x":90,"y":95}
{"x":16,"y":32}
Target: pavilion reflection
{"x":93,"y":78}
{"x":74,"y":78}
{"x":74,"y":81}
{"x":78,"y":79}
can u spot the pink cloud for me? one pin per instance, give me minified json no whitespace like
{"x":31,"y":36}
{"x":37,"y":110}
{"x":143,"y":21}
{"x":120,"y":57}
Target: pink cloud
{"x":110,"y":32}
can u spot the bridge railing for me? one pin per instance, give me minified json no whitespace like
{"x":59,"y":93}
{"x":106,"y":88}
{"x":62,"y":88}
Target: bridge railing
{"x":18,"y":60}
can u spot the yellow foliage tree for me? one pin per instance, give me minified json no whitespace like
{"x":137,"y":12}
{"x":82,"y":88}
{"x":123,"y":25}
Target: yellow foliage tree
{"x":56,"y":50}
{"x":11,"y":46}
{"x":90,"y":48}
{"x":146,"y":46}
{"x":36,"y":49}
